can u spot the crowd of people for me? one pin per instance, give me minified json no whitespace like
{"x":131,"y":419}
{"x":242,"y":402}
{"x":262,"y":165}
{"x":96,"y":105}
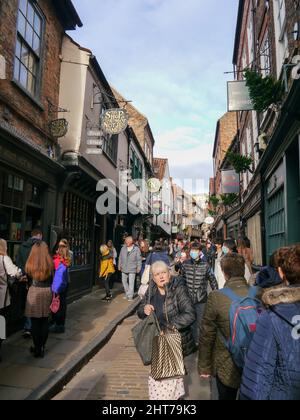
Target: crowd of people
{"x":245,"y":325}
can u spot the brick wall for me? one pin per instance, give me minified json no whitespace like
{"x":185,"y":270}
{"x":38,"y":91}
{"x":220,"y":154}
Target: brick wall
{"x":24,"y":114}
{"x":227,"y":132}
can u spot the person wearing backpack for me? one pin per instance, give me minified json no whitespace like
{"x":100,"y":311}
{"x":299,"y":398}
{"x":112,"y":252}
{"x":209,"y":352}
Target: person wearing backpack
{"x":272,"y":366}
{"x":217,"y":331}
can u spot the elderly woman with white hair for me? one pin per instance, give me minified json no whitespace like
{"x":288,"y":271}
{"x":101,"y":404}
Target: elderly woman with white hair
{"x":169,"y":299}
{"x":7,"y":268}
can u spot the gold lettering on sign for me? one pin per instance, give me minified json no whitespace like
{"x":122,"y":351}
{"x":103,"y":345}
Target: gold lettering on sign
{"x":114,"y":121}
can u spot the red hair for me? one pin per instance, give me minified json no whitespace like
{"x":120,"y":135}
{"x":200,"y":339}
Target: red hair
{"x":39,"y":265}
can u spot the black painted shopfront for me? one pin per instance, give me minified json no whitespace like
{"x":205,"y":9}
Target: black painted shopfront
{"x":28,"y":196}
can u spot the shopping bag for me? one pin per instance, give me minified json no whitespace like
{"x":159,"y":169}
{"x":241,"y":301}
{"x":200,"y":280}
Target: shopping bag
{"x":4,"y":295}
{"x":167,"y":356}
{"x":142,"y":290}
{"x":146,"y":275}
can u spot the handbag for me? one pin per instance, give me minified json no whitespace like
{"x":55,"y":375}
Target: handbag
{"x":4,"y":296}
{"x":4,"y":290}
{"x":167,"y":355}
{"x":143,"y":335}
{"x":55,"y":304}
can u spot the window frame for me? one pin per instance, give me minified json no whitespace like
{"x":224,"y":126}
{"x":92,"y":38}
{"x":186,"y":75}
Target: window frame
{"x":109,"y":149}
{"x":19,"y":37}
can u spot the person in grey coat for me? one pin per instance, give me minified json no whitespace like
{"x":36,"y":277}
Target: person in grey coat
{"x":130,"y":264}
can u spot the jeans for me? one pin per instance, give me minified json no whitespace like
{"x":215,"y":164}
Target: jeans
{"x":128,"y":288}
{"x":199,"y":308}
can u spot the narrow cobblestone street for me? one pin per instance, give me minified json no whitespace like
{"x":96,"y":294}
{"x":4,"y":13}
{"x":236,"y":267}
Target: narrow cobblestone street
{"x":117,"y":373}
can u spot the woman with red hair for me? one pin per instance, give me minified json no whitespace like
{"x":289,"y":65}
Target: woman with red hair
{"x":39,"y":268}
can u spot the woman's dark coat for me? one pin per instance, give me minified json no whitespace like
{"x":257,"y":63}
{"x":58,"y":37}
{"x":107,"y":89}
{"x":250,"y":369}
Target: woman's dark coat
{"x":179,"y":307}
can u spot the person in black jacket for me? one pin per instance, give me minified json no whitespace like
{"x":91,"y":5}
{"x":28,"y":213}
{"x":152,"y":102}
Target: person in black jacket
{"x":197,"y":275}
{"x":170,"y":300}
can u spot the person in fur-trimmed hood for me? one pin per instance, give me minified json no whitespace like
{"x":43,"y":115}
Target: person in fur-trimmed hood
{"x":272,"y":368}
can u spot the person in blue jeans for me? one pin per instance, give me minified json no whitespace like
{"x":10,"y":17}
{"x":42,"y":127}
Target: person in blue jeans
{"x":130,"y":264}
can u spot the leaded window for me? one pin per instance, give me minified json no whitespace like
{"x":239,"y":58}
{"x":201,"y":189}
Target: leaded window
{"x":78,"y":225}
{"x":110,"y":147}
{"x":28,"y":47}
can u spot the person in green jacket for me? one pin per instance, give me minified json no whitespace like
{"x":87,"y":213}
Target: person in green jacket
{"x":214,"y":359}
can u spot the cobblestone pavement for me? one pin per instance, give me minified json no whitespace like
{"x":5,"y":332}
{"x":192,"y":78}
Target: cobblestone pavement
{"x":87,"y":319}
{"x":117,"y":373}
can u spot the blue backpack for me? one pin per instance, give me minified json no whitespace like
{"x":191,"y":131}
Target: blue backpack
{"x":243,"y":315}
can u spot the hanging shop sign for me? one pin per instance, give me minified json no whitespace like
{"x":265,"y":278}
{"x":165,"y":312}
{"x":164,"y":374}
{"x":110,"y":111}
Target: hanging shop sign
{"x":94,"y":133}
{"x":114,"y":121}
{"x":157,"y":206}
{"x":94,"y":142}
{"x":94,"y":151}
{"x":209,"y":221}
{"x":239,"y":96}
{"x":230,"y":182}
{"x":154,"y":185}
{"x":59,"y":128}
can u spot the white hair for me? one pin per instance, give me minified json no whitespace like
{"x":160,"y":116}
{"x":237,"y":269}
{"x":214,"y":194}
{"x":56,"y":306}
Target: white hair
{"x":158,"y":266}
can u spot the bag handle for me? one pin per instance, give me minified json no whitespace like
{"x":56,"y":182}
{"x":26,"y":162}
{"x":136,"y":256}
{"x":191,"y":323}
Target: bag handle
{"x":157,"y":323}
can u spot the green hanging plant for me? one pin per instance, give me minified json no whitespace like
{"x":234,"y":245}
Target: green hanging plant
{"x":264,"y":91}
{"x":214,"y":201}
{"x":229,"y":199}
{"x":212,"y":213}
{"x":239,"y":162}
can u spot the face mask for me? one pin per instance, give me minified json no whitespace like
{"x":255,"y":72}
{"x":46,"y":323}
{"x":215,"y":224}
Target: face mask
{"x":225,"y":250}
{"x":195,"y":255}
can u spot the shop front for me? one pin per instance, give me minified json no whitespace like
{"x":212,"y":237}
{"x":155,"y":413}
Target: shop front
{"x":252,"y":220}
{"x":281,"y":178}
{"x":28,"y":196}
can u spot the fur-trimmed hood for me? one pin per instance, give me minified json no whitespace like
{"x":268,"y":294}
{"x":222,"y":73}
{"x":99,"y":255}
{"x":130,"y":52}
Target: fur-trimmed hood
{"x":276,"y":296}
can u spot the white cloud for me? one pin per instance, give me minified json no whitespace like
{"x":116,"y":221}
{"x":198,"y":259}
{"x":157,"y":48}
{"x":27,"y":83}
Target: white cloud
{"x":168,"y":56}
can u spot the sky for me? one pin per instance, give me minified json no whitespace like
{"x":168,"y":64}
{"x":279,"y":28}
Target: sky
{"x":169,"y":58}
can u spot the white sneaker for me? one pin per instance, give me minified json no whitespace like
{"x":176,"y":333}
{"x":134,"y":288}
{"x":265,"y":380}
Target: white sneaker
{"x":125,"y":297}
{"x":130,"y":299}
